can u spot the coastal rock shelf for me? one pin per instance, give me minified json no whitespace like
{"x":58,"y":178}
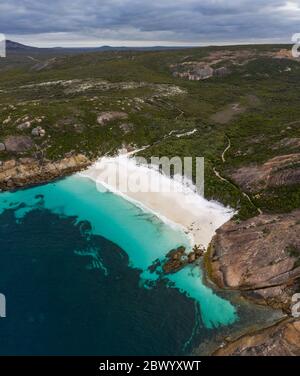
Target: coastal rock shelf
{"x":260,"y":257}
{"x":282,"y":339}
{"x":29,"y":171}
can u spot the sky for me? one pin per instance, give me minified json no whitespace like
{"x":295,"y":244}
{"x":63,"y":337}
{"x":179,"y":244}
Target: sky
{"x":90,"y":23}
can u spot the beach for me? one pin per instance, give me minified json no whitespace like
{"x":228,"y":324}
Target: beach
{"x":171,"y":200}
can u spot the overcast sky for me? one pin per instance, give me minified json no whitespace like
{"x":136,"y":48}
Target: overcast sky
{"x":148,"y":22}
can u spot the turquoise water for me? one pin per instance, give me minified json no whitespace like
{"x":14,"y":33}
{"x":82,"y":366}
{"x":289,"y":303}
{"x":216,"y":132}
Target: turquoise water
{"x":142,"y":236}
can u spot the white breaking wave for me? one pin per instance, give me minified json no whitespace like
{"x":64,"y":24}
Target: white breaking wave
{"x":174,"y":200}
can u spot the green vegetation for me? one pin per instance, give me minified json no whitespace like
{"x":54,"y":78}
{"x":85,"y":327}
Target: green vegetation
{"x":267,"y":89}
{"x":294,"y":252}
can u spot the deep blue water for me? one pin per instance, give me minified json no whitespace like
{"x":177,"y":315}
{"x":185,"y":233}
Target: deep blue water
{"x":73,"y":268}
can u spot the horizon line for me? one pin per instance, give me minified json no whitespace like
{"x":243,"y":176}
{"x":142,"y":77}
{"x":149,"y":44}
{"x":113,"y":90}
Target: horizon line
{"x":212,"y":44}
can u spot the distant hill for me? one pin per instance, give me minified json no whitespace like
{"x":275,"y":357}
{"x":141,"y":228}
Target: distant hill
{"x":153,"y":48}
{"x":18,"y":47}
{"x":15,"y":47}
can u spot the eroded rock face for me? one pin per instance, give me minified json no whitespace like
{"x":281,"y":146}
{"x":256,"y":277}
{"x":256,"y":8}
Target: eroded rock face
{"x":27,"y":171}
{"x":260,"y":257}
{"x":278,"y":171}
{"x":18,"y":144}
{"x":279,"y":340}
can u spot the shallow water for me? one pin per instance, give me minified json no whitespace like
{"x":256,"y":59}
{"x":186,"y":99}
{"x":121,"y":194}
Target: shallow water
{"x":74,"y":269}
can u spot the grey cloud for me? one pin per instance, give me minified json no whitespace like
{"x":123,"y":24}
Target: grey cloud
{"x":176,"y":20}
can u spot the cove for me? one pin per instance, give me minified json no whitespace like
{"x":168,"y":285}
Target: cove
{"x":132,"y":232}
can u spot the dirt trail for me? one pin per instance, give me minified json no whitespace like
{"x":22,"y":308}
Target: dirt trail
{"x":219,"y":176}
{"x":226,"y":150}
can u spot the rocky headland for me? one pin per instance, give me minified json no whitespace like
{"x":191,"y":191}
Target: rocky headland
{"x":260,"y":257}
{"x":22,"y":172}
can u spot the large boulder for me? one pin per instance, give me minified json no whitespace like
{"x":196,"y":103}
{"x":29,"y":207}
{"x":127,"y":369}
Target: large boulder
{"x":260,"y":256}
{"x":18,"y":144}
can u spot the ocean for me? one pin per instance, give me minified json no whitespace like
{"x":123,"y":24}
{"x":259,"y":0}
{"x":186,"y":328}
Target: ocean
{"x":74,"y":270}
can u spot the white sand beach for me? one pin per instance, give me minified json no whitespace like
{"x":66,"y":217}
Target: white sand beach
{"x":172,"y":201}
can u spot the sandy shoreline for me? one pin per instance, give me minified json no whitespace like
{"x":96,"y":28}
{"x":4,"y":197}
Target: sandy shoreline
{"x":170,"y":200}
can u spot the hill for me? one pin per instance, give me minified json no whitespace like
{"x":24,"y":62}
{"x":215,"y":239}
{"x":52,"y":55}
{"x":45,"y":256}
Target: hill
{"x":246,"y":116}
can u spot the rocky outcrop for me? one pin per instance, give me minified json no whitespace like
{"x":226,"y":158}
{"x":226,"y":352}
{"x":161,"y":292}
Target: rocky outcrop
{"x":194,"y":72}
{"x":38,"y":132}
{"x":23,"y":126}
{"x":18,"y":144}
{"x":260,"y":257}
{"x":282,"y":339}
{"x":283,"y":54}
{"x":220,"y":63}
{"x":197,"y":71}
{"x":106,"y":117}
{"x":29,"y":171}
{"x":291,"y":143}
{"x":276,"y":172}
{"x":177,"y":259}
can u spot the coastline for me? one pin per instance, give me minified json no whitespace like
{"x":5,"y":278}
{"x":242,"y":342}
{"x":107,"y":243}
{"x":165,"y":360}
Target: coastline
{"x":173,"y":203}
{"x":202,"y":220}
{"x":24,"y":173}
{"x":183,"y":210}
{"x":179,"y":212}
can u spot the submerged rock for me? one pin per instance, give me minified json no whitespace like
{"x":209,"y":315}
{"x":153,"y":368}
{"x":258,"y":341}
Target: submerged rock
{"x":177,"y":259}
